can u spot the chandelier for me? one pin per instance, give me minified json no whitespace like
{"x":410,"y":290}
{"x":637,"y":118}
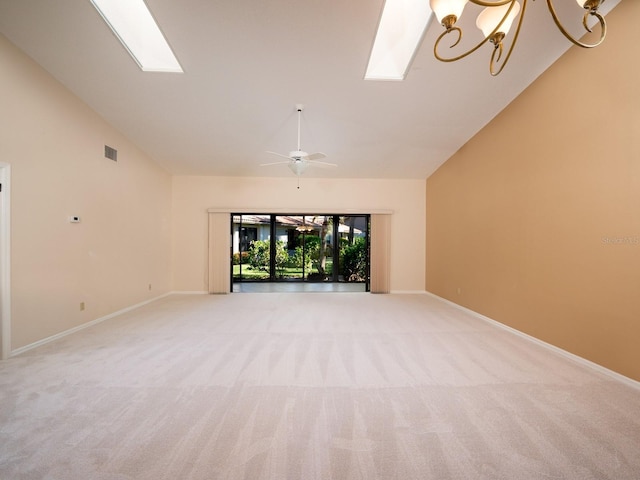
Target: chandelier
{"x":496,"y":20}
{"x":304,"y":228}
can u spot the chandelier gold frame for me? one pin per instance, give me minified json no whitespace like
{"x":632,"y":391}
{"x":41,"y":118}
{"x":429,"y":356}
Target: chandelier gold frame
{"x":496,"y":37}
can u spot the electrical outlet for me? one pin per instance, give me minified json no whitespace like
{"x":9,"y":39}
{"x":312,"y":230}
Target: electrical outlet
{"x":81,"y":306}
{"x":149,"y":287}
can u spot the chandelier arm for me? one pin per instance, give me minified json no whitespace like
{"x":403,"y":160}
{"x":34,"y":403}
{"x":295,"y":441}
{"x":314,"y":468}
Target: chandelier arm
{"x":603,"y":26}
{"x":499,"y":49}
{"x":516,"y":34}
{"x":585,"y":24}
{"x":487,"y":38}
{"x":453,"y":29}
{"x":453,"y":59}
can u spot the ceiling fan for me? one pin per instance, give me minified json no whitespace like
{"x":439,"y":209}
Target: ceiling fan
{"x":298,"y":160}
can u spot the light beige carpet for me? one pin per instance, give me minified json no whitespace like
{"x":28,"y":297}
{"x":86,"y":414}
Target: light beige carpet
{"x":310,"y":386}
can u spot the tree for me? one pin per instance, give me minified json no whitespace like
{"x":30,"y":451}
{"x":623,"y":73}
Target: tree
{"x":317,"y":251}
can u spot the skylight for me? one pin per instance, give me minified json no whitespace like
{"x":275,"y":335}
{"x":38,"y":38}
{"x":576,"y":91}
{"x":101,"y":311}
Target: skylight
{"x":133,"y":24}
{"x":400,"y":31}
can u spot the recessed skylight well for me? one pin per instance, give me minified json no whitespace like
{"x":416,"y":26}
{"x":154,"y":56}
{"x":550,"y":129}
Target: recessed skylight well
{"x":402,"y":26}
{"x":133,"y":24}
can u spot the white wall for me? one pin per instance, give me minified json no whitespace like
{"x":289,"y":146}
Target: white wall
{"x":55,"y":146}
{"x":192,"y":196}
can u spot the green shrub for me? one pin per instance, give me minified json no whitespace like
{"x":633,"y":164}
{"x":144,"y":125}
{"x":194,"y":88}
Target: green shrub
{"x":259,"y":254}
{"x":354,"y":261}
{"x":236,"y":258}
{"x":297,"y":259}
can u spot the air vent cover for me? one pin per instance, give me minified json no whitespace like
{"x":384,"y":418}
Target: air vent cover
{"x":111,"y":153}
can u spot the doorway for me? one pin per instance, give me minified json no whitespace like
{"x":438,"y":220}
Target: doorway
{"x":310,"y":249}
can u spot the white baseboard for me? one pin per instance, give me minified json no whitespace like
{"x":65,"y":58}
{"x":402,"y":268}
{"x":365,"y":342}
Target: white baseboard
{"x":571,"y":356}
{"x":44,"y":341}
{"x":406,"y":292}
{"x":194,"y":292}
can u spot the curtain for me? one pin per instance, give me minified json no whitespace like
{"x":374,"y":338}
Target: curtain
{"x":219,"y":252}
{"x":380,"y":253}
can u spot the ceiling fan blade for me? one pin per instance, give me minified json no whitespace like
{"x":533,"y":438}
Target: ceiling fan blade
{"x":274,"y":163}
{"x":322,"y":164}
{"x":280,"y":155}
{"x":315,"y":156}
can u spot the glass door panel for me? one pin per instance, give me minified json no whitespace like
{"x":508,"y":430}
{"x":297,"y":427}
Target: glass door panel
{"x":303,"y":247}
{"x":251,"y":247}
{"x":328,"y":238}
{"x":289,"y":261}
{"x":318,"y":247}
{"x":354,"y":249}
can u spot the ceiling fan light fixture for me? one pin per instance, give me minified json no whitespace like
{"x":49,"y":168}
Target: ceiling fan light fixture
{"x":299,"y":160}
{"x":298,"y":167}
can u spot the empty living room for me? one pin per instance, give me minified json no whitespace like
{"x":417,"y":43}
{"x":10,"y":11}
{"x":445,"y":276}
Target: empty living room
{"x":319,"y":240}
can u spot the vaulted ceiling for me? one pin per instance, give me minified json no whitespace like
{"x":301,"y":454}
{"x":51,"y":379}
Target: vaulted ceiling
{"x":248,"y":63}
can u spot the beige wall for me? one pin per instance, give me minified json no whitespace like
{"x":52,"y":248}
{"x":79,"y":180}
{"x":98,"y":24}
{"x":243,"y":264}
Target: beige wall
{"x":55,"y":146}
{"x":536,"y":221}
{"x":192,"y":196}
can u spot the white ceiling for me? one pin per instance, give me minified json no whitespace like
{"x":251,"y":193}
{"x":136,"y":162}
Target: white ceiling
{"x":249,"y":62}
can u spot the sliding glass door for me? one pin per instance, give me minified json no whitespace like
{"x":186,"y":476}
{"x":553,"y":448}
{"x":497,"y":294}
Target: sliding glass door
{"x":300,"y":248}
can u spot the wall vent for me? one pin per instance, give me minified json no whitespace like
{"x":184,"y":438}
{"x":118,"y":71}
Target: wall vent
{"x":110,"y":153}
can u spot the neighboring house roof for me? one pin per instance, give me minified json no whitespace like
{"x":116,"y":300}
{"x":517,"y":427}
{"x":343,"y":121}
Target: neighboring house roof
{"x":284,"y":220}
{"x":314,"y":222}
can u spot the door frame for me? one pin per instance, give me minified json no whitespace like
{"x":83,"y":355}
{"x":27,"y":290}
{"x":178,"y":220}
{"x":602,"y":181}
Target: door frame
{"x":272,"y":238}
{"x":5,"y":261}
